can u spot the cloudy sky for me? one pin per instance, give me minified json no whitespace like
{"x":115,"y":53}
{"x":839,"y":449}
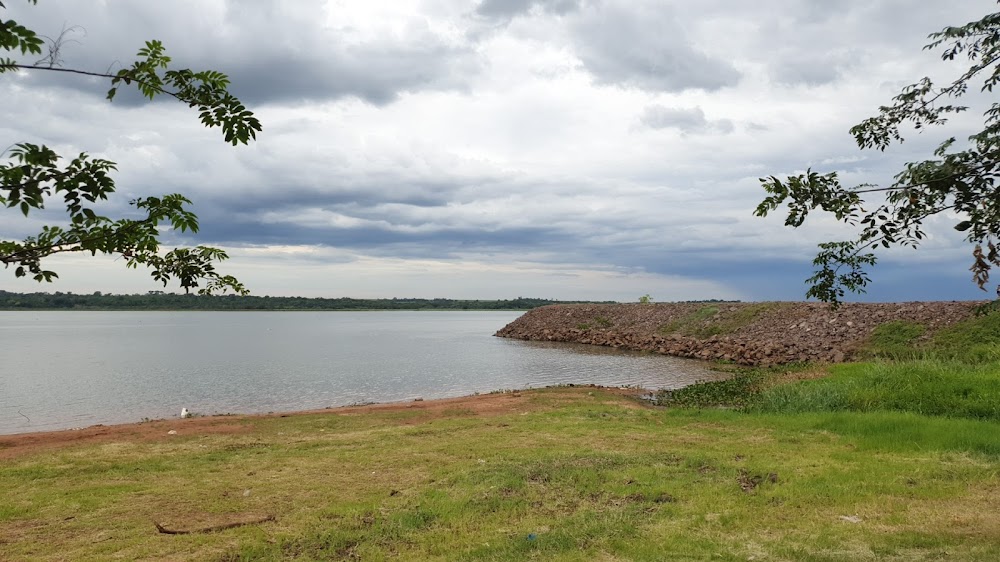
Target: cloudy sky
{"x":575,"y":149}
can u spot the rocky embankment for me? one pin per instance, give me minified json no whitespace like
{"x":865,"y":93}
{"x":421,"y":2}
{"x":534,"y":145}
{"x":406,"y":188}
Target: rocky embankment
{"x":746,"y":333}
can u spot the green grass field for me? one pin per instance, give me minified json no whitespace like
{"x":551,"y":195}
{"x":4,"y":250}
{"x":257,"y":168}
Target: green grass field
{"x":885,"y":460}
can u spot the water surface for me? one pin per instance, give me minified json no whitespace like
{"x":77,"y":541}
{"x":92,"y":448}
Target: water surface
{"x":74,"y":369}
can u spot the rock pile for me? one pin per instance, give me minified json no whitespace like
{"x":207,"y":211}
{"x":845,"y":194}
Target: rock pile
{"x":744,"y":333}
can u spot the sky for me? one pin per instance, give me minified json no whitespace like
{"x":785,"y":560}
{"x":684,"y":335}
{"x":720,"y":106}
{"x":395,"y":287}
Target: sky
{"x":568,"y":149}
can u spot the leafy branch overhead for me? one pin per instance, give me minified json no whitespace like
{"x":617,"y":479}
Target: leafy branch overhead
{"x":960,"y":181}
{"x":34,"y":176}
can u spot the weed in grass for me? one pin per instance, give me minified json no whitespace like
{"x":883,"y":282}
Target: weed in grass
{"x":599,"y":322}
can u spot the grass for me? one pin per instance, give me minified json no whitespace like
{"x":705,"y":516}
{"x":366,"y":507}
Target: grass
{"x":599,"y":322}
{"x":711,"y":320}
{"x":929,"y":387}
{"x":691,"y":323}
{"x":883,"y":460}
{"x":950,"y":374}
{"x":976,"y":340}
{"x":574,"y":474}
{"x":973,"y":341}
{"x":895,"y":340}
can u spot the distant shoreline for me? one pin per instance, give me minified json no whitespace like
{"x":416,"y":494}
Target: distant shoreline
{"x":158,"y":300}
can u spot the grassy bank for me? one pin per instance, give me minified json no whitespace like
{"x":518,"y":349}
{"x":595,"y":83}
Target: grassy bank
{"x":566,"y":474}
{"x":884,"y":460}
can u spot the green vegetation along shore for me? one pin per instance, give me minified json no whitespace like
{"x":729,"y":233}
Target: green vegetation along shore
{"x":893,"y":458}
{"x":158,"y":300}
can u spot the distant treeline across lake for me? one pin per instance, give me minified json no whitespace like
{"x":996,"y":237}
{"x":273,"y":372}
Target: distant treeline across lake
{"x":158,"y":300}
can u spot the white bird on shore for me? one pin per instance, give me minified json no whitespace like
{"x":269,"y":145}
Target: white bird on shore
{"x":185,"y":413}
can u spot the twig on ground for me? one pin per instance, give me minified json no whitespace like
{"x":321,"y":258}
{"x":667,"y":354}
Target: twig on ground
{"x":163,"y":530}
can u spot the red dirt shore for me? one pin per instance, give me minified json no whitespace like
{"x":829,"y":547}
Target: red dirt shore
{"x":19,"y":444}
{"x":768,"y":333}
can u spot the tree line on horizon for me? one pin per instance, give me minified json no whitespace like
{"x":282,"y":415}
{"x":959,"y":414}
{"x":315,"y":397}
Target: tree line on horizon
{"x":159,"y":300}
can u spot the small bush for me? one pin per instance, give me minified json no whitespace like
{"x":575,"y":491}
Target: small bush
{"x":602,"y":322}
{"x":735,"y":392}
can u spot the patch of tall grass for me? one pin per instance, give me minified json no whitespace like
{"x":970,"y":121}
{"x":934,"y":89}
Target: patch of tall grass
{"x":932,"y":387}
{"x":895,"y":340}
{"x":953,"y":373}
{"x":919,"y":405}
{"x":899,"y":431}
{"x":975,"y":340}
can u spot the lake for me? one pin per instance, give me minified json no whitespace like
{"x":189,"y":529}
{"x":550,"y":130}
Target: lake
{"x":74,"y":369}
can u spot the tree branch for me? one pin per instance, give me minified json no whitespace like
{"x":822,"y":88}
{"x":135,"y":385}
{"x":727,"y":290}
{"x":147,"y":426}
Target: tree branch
{"x":97,"y":74}
{"x":34,"y":182}
{"x":924,"y":183}
{"x":70,"y":246}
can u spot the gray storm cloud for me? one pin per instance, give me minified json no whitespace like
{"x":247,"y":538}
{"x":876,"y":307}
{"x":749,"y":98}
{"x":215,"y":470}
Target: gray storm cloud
{"x":645,"y":46}
{"x":616,"y":135}
{"x":691,"y":120}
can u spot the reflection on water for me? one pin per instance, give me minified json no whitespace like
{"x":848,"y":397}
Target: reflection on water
{"x":599,"y":350}
{"x":72,"y":369}
{"x":561,"y":363}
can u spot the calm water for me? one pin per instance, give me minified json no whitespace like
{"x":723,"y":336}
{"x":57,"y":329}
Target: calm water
{"x":74,"y":369}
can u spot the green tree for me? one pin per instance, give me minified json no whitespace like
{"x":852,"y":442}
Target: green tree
{"x":960,"y":177}
{"x":33,"y":176}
